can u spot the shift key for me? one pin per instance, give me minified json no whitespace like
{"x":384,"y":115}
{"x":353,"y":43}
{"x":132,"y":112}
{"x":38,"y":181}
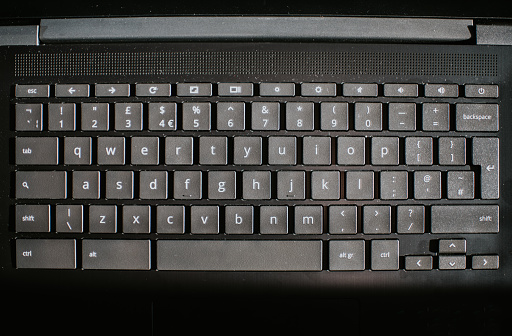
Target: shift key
{"x":41,"y":184}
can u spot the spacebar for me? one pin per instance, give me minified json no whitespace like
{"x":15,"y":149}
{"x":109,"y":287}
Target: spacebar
{"x":239,"y":255}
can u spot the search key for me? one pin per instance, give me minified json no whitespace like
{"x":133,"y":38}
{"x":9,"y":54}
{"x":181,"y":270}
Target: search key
{"x":41,"y":184}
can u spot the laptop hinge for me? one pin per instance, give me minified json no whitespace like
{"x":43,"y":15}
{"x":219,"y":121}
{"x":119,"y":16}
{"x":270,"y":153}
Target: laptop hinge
{"x":493,"y":34}
{"x":271,"y":28}
{"x":19,"y":35}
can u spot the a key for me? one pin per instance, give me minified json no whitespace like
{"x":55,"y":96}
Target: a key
{"x":204,"y":219}
{"x":308,"y":219}
{"x":136,"y":219}
{"x":41,"y":184}
{"x":86,"y":184}
{"x":37,"y":151}
{"x":46,"y":253}
{"x":116,"y":254}
{"x":273,"y":219}
{"x":69,"y":218}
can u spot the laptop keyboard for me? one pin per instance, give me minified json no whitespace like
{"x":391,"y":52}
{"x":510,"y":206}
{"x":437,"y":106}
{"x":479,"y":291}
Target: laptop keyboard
{"x":255,"y":176}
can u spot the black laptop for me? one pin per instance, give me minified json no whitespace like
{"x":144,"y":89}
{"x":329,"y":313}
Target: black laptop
{"x":324,"y":158}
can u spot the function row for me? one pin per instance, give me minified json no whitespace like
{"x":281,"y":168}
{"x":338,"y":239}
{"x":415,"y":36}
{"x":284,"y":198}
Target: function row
{"x":257,"y":89}
{"x":264,"y":219}
{"x":249,"y":185}
{"x":244,"y":255}
{"x":258,"y":116}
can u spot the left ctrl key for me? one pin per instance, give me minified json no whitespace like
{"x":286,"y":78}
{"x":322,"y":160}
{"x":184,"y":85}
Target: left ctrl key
{"x":46,"y":253}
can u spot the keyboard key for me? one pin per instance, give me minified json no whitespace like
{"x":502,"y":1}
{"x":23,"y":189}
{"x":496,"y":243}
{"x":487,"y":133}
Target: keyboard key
{"x":119,"y":184}
{"x":179,"y":151}
{"x":247,"y":151}
{"x":449,"y":246}
{"x":410,"y":218}
{"x":111,"y":150}
{"x":277,"y":89}
{"x":452,"y":262}
{"x":346,"y":255}
{"x":427,"y":185}
{"x":265,"y":116}
{"x":291,"y":185}
{"x":393,"y":185}
{"x":486,"y":155}
{"x":86,"y":184}
{"x":41,"y":184}
{"x":359,"y":185}
{"x":153,"y":90}
{"x":116,"y":254}
{"x":71,"y":90}
{"x":162,"y":116}
{"x":481,"y":91}
{"x":436,"y":117}
{"x":401,"y":90}
{"x":482,"y":262}
{"x":299,"y":116}
{"x":342,"y":219}
{"x":461,"y":184}
{"x":204,"y":219}
{"x":196,"y":116}
{"x":136,"y":219}
{"x":256,"y":185}
{"x":326,"y":185}
{"x":441,"y":90}
{"x":69,"y":218}
{"x":384,"y":255}
{"x":318,"y":89}
{"x":465,"y":218}
{"x":334,"y":116}
{"x":153,"y":184}
{"x":145,"y":150}
{"x":402,"y":116}
{"x":95,"y":117}
{"x":29,"y":117}
{"x":37,"y":151}
{"x":377,"y":219}
{"x":351,"y":151}
{"x":113,"y":90}
{"x":385,"y":151}
{"x":170,"y":219}
{"x":316,"y":150}
{"x":308,"y":219}
{"x":230,"y":116}
{"x":128,"y":116}
{"x":245,"y":255}
{"x":194,"y":89}
{"x":77,"y":150}
{"x":368,"y":117}
{"x":103,"y":219}
{"x":32,"y":90}
{"x":235,"y":89}
{"x":419,"y":151}
{"x":418,"y":263}
{"x":222,"y":185}
{"x":213,"y":150}
{"x":46,"y":253}
{"x":452,"y":151}
{"x":61,"y":117}
{"x":32,"y":218}
{"x":239,"y":219}
{"x":477,"y":117}
{"x":187,"y":185}
{"x":360,"y":90}
{"x":282,"y":150}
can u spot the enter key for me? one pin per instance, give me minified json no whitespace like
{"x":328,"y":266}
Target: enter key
{"x":486,"y":155}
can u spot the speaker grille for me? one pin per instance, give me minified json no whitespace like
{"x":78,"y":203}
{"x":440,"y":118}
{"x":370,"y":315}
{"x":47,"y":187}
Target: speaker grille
{"x":255,"y":63}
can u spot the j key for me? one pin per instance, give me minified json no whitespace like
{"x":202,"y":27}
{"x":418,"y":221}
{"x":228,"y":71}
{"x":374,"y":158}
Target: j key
{"x":37,"y":151}
{"x":116,"y":254}
{"x":465,"y":219}
{"x":46,"y":253}
{"x":41,"y":184}
{"x":29,"y":117}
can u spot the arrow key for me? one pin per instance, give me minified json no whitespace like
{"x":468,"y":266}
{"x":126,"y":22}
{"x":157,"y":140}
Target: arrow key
{"x":71,"y":90}
{"x":485,"y":262}
{"x":450,"y":262}
{"x":418,"y":263}
{"x":452,"y":246}
{"x":112,"y":90}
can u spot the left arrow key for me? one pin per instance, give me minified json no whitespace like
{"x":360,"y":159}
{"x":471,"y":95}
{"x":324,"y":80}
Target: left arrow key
{"x":72,"y":90}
